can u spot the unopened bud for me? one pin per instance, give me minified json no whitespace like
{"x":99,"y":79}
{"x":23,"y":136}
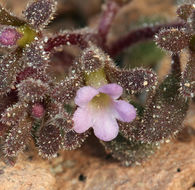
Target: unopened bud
{"x":38,"y":111}
{"x":9,"y":36}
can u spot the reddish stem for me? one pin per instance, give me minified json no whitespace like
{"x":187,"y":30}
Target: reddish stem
{"x":138,"y":36}
{"x":82,"y":39}
{"x":66,"y":39}
{"x":108,"y":16}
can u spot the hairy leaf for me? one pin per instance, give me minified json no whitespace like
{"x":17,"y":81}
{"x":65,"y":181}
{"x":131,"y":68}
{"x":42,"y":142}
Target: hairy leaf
{"x":49,"y":140}
{"x":166,"y":113}
{"x":188,"y":80}
{"x":72,"y":140}
{"x":132,"y":81}
{"x":10,"y":66}
{"x":173,"y":39}
{"x":57,"y":116}
{"x":129,"y":152}
{"x":17,"y":137}
{"x":31,"y":90}
{"x":40,"y":12}
{"x":91,"y":59}
{"x":184,"y":11}
{"x":65,"y":90}
{"x":34,"y":56}
{"x":12,"y":115}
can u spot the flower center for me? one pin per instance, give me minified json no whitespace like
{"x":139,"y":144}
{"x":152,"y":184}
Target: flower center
{"x":101,"y":101}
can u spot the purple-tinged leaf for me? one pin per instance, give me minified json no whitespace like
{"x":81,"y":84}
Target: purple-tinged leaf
{"x":133,"y":81}
{"x":65,"y":90}
{"x":53,"y":109}
{"x":12,"y":115}
{"x":40,"y":12}
{"x":164,"y":116}
{"x":10,"y":66}
{"x":28,"y":72}
{"x":57,"y":116}
{"x":72,"y":140}
{"x":131,"y":130}
{"x":5,"y":102}
{"x":173,"y":39}
{"x":31,"y":90}
{"x":17,"y":138}
{"x":3,"y":129}
{"x":63,"y":120}
{"x":34,"y":56}
{"x":49,"y":140}
{"x":91,"y":59}
{"x":8,"y":100}
{"x":8,"y":160}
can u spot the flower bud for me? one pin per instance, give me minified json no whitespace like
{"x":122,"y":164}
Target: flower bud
{"x":9,"y":36}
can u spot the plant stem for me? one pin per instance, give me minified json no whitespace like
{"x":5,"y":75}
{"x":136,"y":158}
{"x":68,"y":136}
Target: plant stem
{"x":138,"y":35}
{"x":111,"y":9}
{"x":66,"y":39}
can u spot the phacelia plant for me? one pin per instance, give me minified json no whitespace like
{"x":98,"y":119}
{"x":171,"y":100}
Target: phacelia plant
{"x":94,"y":93}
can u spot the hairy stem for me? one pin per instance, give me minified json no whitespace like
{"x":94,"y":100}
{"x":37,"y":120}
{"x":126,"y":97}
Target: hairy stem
{"x":66,"y":39}
{"x":138,"y":35}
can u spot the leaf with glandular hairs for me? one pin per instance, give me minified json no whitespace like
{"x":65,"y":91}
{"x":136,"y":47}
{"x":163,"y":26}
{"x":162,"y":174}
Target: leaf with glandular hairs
{"x":40,"y":12}
{"x":133,"y":81}
{"x":17,"y":138}
{"x":129,"y":152}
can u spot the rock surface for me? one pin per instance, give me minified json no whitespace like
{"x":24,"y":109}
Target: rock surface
{"x":171,"y":168}
{"x":26,"y":176}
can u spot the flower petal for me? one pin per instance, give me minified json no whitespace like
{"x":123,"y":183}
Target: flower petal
{"x":114,"y":90}
{"x":84,"y":95}
{"x":124,"y":111}
{"x":82,"y":120}
{"x":105,"y":127}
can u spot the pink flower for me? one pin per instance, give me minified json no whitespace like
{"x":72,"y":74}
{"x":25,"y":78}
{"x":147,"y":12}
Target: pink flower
{"x":99,"y":109}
